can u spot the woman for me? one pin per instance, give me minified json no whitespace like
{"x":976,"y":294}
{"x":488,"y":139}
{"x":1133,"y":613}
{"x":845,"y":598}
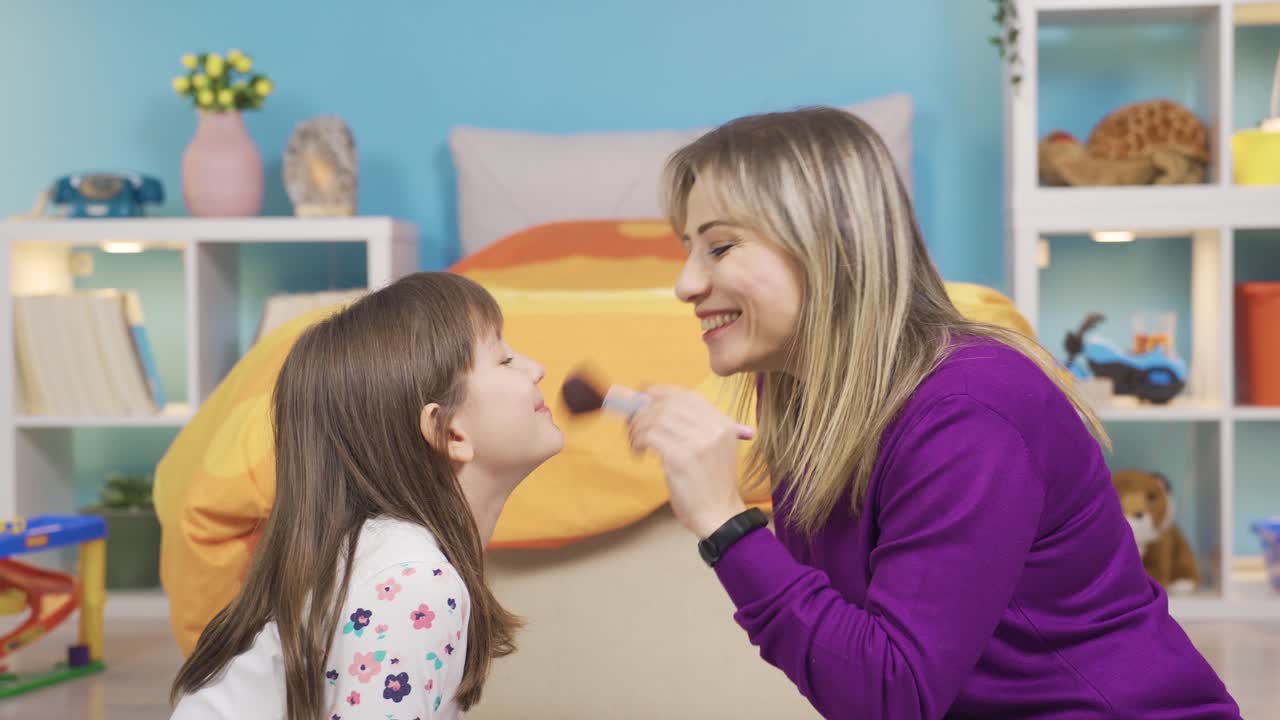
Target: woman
{"x":402,"y":425}
{"x":948,"y":541}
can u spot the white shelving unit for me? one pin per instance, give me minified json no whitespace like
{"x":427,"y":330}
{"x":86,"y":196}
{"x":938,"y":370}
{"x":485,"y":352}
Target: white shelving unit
{"x":1209,"y":214}
{"x":36,"y":451}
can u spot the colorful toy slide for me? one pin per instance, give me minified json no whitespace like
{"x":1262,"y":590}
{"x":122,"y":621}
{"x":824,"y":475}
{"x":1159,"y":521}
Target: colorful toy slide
{"x":51,"y":597}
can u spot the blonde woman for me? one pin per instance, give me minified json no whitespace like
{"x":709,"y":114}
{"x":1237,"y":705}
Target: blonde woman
{"x":947,"y":542}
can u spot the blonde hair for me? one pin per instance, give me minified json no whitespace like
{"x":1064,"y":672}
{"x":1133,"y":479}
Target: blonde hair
{"x":876,"y":318}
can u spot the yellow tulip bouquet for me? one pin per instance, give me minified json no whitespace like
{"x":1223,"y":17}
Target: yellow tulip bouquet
{"x":222,"y":84}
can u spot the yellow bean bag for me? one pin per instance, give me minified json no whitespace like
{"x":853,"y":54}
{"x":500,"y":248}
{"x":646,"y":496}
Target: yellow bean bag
{"x":572,"y":293}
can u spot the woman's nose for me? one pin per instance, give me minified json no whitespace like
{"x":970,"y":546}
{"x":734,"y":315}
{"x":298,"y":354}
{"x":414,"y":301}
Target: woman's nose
{"x":692,"y":285}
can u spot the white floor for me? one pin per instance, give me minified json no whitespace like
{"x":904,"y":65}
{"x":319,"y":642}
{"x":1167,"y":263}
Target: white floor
{"x":141,"y":661}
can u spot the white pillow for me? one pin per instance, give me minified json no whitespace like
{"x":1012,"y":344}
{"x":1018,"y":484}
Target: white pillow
{"x":509,"y":180}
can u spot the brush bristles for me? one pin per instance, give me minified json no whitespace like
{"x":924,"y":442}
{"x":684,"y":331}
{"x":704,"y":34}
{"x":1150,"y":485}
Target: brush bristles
{"x":580,"y":396}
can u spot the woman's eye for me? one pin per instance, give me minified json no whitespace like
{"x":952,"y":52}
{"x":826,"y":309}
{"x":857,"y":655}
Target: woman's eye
{"x":720,"y":250}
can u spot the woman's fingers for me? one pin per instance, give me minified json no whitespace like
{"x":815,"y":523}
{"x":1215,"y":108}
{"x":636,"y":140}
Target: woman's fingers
{"x":695,"y":409}
{"x":662,"y":391}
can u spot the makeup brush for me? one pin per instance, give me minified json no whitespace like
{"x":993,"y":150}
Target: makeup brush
{"x":582,"y":395}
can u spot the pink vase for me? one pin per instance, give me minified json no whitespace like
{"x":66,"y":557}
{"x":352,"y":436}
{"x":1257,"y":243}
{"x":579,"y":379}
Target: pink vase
{"x":222,"y":168}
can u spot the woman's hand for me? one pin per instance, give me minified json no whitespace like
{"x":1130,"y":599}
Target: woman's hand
{"x":698,"y":448}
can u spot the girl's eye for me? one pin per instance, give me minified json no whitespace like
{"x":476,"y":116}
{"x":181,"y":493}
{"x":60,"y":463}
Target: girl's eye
{"x":509,"y":360}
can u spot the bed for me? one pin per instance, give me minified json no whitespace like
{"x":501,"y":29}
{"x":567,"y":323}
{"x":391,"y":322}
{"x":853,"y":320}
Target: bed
{"x":624,"y":619}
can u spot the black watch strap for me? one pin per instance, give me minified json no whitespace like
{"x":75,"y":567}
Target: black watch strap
{"x":714,"y":546}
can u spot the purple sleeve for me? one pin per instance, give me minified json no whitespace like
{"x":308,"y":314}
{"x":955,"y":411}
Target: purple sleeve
{"x":957,"y":511}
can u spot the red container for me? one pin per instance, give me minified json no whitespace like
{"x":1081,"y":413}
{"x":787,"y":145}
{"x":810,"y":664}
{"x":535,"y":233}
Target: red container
{"x":1258,"y":343}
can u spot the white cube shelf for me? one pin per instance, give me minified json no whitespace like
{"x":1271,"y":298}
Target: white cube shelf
{"x":1210,"y":214}
{"x":35,"y":451}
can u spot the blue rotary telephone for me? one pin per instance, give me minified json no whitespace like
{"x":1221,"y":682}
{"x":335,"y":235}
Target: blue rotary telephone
{"x":97,"y":195}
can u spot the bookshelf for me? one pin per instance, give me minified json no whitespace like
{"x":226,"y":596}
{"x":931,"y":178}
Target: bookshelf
{"x":1209,"y":216}
{"x":35,"y":257}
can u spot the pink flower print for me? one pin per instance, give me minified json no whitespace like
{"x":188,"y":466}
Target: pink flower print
{"x":353,"y":698}
{"x":422,"y":617}
{"x":408,"y":571}
{"x":381,"y":629}
{"x":388,"y":589}
{"x":430,"y":684}
{"x":459,"y":636}
{"x":364,"y":666}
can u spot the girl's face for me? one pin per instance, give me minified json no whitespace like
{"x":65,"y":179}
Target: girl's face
{"x":746,"y":290}
{"x":504,"y":417}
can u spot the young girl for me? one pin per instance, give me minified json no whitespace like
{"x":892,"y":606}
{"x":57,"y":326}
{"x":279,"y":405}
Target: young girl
{"x":948,"y":539}
{"x":402,"y":424}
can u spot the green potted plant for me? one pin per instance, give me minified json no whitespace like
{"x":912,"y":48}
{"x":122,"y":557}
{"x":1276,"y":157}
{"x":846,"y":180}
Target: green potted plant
{"x":133,"y":532}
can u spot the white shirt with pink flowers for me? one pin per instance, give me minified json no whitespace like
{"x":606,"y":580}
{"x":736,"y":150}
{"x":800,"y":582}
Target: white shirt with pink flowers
{"x":398,"y":652}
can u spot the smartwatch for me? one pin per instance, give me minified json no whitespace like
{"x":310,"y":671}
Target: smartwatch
{"x":714,"y":546}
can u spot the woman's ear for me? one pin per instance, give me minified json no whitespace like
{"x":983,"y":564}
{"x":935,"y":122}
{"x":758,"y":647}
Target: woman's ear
{"x":450,"y":439}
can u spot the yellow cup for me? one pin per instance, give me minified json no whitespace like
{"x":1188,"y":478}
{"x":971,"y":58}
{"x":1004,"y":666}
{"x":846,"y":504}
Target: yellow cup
{"x":1255,"y":154}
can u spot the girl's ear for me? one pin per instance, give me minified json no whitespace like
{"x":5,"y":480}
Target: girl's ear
{"x":450,"y":440}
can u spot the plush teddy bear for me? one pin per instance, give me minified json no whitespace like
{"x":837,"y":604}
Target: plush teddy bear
{"x":1147,"y":500}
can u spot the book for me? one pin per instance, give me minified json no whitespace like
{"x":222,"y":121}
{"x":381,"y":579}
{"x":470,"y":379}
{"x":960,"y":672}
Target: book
{"x":84,"y":353}
{"x":283,"y":307}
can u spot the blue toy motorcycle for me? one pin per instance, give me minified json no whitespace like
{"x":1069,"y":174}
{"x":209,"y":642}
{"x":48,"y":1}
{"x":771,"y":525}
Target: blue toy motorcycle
{"x":1154,"y":376}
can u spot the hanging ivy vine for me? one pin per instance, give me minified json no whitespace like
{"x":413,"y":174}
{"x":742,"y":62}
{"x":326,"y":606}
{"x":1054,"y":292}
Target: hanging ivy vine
{"x":1006,"y":17}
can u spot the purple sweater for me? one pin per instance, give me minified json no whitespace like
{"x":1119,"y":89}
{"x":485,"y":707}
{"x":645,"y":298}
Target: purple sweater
{"x":991,"y":574}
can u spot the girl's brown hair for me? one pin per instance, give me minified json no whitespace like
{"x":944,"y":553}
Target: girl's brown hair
{"x":349,"y":447}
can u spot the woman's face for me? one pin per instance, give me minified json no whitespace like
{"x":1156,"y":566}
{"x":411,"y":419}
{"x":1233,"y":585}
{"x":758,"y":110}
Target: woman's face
{"x":746,"y":290}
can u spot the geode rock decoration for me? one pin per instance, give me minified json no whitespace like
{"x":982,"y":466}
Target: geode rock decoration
{"x":321,"y":168}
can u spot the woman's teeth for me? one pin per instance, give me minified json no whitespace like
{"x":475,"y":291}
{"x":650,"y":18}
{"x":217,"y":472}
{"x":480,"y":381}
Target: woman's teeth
{"x":712,"y":322}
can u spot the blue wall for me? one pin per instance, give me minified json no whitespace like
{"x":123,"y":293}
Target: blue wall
{"x":403,"y":74}
{"x":87,"y":85}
